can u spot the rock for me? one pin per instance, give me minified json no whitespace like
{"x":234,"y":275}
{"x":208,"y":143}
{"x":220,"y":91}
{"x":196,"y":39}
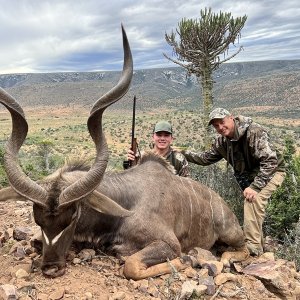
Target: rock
{"x":190,"y":289}
{"x":209,"y":283}
{"x":202,"y":255}
{"x":26,"y":288}
{"x":190,"y":272}
{"x":143,"y":285}
{"x":267,"y":256}
{"x":238,"y":267}
{"x":42,"y":296}
{"x":76,"y":261}
{"x":224,"y":277}
{"x":8,"y":292}
{"x":135,"y":284}
{"x":24,"y":267}
{"x":88,"y":295}
{"x":201,"y":289}
{"x":20,"y":252}
{"x":254,"y":288}
{"x":153,"y":291}
{"x":36,"y":241}
{"x":277,"y":276}
{"x":22,"y":274}
{"x":214,"y":267}
{"x":190,"y":260}
{"x":22,"y":233}
{"x":10,"y":232}
{"x":58,"y":294}
{"x":203,"y":273}
{"x":117,"y":296}
{"x":86,"y":254}
{"x":187,"y":289}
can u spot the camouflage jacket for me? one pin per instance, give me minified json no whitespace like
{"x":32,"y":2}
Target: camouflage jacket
{"x":250,"y":153}
{"x":179,"y":162}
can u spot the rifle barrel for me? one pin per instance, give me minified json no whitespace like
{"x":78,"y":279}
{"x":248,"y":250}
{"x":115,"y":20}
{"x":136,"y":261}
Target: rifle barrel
{"x":133,"y":123}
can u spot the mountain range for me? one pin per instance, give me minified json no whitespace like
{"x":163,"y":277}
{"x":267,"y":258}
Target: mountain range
{"x":268,"y":87}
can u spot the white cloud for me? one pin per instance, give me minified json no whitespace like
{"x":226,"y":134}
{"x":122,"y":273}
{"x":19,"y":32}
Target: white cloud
{"x":65,"y":35}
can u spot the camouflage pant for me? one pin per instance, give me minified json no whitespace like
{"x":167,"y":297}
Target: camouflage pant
{"x":254,"y":212}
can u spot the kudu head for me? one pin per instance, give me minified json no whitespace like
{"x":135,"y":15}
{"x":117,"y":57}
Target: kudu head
{"x":57,"y":203}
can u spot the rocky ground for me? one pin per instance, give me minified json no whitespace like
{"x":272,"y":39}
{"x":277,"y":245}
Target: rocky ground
{"x":94,"y":275}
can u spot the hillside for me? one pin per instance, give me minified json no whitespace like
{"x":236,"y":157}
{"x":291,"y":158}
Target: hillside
{"x":268,"y":88}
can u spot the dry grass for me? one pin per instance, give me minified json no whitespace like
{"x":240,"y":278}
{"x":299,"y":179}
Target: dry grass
{"x":65,"y":127}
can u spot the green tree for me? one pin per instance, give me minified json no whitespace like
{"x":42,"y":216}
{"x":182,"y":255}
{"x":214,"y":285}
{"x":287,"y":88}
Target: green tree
{"x":45,"y":149}
{"x":200,"y":45}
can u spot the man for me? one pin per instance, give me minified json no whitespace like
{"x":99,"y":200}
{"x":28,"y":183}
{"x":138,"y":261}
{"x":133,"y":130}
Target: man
{"x":258,"y":169}
{"x":162,"y":139}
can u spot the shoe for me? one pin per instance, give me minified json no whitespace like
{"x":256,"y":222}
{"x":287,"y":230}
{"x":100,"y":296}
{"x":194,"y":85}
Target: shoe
{"x":253,"y":250}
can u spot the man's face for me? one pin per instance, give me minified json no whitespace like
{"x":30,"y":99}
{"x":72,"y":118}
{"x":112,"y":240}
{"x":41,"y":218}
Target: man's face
{"x":162,"y":139}
{"x":224,"y":126}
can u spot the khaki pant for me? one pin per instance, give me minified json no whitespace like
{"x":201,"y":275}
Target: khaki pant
{"x":254,"y":212}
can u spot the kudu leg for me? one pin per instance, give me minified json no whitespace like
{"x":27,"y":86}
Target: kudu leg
{"x":235,"y":256}
{"x":152,"y":261}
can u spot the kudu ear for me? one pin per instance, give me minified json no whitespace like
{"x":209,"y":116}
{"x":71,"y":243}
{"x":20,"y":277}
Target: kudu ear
{"x":104,"y":204}
{"x":9,"y":193}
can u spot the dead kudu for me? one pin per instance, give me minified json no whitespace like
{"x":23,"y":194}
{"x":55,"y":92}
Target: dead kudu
{"x":146,"y":213}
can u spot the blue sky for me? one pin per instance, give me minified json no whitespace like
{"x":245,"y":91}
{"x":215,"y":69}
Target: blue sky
{"x":84,"y":35}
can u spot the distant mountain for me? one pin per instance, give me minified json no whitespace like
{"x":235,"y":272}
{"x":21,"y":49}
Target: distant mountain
{"x":273,"y":86}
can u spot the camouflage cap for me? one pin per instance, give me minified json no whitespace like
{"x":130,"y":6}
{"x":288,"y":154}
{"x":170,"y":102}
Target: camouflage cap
{"x":218,"y":113}
{"x":163,"y":126}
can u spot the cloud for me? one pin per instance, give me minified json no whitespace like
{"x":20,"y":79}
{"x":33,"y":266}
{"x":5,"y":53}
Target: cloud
{"x":64,"y":35}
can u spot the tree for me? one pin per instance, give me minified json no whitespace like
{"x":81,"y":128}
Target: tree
{"x":45,"y":149}
{"x":200,"y":45}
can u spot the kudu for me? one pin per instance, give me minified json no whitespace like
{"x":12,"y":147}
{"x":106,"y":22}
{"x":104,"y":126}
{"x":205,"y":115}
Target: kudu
{"x":147,"y":213}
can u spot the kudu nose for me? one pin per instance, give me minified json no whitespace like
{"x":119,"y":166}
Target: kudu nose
{"x":53,"y":270}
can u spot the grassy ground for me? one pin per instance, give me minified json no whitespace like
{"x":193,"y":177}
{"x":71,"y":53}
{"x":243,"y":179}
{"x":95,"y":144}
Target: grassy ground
{"x":64,"y":128}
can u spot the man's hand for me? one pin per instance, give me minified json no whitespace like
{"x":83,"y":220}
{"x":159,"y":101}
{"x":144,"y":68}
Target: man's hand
{"x":130,"y":155}
{"x":249,"y":194}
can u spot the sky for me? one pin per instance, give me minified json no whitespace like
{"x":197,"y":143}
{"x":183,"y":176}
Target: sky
{"x":41,"y":36}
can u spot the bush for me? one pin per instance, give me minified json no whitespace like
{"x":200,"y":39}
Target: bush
{"x":284,"y":206}
{"x":290,"y":247}
{"x":3,"y":177}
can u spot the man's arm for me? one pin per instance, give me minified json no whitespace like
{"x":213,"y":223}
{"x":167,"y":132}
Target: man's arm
{"x":202,"y":158}
{"x":265,"y":153}
{"x":181,"y":164}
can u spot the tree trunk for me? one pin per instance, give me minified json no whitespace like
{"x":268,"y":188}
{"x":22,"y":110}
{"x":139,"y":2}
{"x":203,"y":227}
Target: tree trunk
{"x":207,"y":96}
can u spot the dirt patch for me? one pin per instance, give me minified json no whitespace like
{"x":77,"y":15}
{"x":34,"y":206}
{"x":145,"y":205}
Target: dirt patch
{"x":101,"y":277}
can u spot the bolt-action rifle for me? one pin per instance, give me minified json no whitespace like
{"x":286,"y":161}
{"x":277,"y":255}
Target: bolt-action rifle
{"x":129,"y":163}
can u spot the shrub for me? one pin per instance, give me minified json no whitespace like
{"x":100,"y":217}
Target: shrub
{"x":284,"y":206}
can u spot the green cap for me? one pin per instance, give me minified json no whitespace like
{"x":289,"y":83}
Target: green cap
{"x":163,"y":126}
{"x":218,"y":113}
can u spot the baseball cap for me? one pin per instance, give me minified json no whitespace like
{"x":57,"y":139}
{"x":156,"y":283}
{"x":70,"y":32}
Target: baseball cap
{"x":163,"y":126}
{"x":218,"y":113}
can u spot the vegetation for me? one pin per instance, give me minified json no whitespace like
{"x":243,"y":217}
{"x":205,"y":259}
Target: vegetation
{"x":284,"y":207}
{"x":3,"y":178}
{"x":200,"y":45}
{"x":64,"y":136}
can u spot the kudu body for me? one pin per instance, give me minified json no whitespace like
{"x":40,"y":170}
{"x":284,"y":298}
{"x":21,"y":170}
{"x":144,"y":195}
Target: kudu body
{"x":146,"y":213}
